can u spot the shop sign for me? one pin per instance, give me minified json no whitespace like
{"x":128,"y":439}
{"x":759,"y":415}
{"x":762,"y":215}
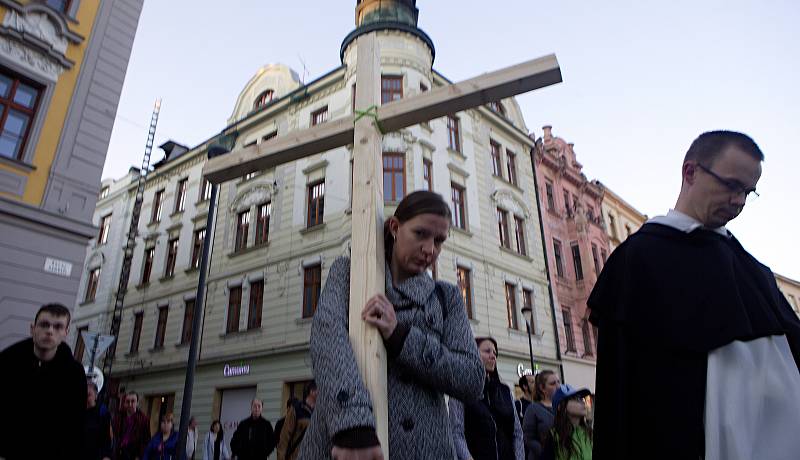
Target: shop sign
{"x":522,"y":371}
{"x":236,"y":370}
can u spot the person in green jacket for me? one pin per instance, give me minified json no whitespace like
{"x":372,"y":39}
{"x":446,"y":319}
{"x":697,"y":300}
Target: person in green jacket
{"x":571,"y":437}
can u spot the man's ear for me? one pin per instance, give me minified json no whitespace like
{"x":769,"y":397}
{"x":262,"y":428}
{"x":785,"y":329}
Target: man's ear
{"x":689,"y":171}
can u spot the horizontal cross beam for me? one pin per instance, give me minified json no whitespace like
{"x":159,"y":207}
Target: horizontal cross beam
{"x":444,"y":100}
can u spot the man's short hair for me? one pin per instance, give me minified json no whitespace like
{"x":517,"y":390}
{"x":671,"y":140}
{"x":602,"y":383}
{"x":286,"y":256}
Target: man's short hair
{"x":310,"y":386}
{"x":708,"y":146}
{"x":132,"y":393}
{"x":55,"y":309}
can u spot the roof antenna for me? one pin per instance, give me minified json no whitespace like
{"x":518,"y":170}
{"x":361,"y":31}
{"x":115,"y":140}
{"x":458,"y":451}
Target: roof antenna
{"x":305,"y":70}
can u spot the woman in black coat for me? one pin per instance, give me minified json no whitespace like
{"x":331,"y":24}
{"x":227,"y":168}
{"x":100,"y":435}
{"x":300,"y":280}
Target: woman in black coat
{"x":488,"y":428}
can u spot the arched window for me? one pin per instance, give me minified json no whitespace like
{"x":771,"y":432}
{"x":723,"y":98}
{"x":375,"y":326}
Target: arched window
{"x":263,"y":99}
{"x":498,"y":108}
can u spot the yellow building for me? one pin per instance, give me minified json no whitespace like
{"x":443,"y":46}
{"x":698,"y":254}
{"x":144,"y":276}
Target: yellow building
{"x":790,"y":289}
{"x":62,"y":66}
{"x":620,"y":217}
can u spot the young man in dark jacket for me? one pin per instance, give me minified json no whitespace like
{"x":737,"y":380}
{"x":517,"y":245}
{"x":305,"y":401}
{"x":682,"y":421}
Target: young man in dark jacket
{"x":42,"y":393}
{"x":253,"y":438}
{"x":131,"y":430}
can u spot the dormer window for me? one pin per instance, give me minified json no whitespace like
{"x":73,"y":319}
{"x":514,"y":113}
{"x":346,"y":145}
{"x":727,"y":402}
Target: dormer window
{"x":263,"y":99}
{"x":498,"y":108}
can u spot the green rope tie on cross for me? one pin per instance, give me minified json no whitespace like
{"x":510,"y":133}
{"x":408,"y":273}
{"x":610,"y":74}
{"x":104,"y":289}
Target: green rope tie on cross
{"x":371,"y":112}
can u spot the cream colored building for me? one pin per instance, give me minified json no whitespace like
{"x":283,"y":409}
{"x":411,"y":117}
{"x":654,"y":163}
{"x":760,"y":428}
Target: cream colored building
{"x":278,"y":231}
{"x":621,"y":219}
{"x":790,"y":289}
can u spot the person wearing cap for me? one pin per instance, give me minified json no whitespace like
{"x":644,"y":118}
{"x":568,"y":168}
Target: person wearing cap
{"x":571,"y":437}
{"x":685,"y":313}
{"x":488,"y":428}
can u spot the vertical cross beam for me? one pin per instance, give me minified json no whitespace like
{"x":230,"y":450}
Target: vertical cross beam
{"x":367,"y":267}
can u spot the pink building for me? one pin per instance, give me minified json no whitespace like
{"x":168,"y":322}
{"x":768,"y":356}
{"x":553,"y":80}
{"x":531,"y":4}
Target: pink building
{"x":577,"y":245}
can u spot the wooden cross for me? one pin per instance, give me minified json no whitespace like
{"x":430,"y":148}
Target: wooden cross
{"x":367,"y":251}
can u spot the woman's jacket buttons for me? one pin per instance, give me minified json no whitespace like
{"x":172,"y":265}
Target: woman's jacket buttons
{"x":407,"y":424}
{"x":342,"y":397}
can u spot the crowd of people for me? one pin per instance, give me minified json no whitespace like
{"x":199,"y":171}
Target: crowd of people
{"x":679,"y":305}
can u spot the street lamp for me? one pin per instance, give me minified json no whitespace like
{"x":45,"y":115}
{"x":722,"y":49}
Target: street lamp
{"x":527,"y":313}
{"x":186,"y":407}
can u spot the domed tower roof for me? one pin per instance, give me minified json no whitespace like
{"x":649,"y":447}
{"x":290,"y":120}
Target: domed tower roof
{"x":271,"y":82}
{"x":372,"y":15}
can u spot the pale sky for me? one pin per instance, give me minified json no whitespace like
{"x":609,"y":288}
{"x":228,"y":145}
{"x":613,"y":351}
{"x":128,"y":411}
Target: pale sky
{"x":641,"y":80}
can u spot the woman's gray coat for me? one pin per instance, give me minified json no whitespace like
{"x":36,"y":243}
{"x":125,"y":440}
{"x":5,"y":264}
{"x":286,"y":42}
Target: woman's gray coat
{"x":438,"y":356}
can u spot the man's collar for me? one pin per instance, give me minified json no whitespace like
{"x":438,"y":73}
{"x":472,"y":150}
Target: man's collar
{"x":684,"y":223}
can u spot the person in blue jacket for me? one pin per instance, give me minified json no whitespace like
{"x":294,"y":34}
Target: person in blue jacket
{"x":164,"y":445}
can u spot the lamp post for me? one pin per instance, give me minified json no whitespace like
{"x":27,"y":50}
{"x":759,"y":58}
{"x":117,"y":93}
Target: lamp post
{"x":527,"y":313}
{"x":188,"y":386}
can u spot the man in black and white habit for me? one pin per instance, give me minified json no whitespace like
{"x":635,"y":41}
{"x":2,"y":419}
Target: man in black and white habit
{"x":698,"y":350}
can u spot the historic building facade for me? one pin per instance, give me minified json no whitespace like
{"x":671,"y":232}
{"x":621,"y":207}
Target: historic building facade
{"x":62,"y":65}
{"x":577,"y":247}
{"x":278,"y":231}
{"x":621,"y":219}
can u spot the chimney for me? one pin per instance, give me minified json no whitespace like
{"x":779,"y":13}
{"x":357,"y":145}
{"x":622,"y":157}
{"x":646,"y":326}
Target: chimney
{"x":548,"y":132}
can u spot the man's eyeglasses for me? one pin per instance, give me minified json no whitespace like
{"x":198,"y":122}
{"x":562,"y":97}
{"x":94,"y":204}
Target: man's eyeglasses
{"x":732,"y":185}
{"x":58,"y":327}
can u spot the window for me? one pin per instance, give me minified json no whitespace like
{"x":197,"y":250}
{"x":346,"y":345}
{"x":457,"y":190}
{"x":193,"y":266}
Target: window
{"x":62,"y":6}
{"x":353,"y":98}
{"x":172,"y":256}
{"x":459,"y":206}
{"x":502,"y":226}
{"x":391,"y":89}
{"x":511,"y":306}
{"x":612,"y":225}
{"x":567,"y":207}
{"x":157,"y":202}
{"x":188,"y":322}
{"x":604,"y":255}
{"x":422,"y":87}
{"x":576,"y":261}
{"x":180,"y":195}
{"x":197,"y":247}
{"x":269,"y":136}
{"x":498,"y":108}
{"x":137,"y":331}
{"x":262,"y":222}
{"x":91,"y":284}
{"x":249,"y":175}
{"x":519,"y":230}
{"x":453,"y":135}
{"x":18,"y":102}
{"x":242,"y":227}
{"x":234,"y":306}
{"x":312,"y":279}
{"x":320,"y":116}
{"x":205,"y":190}
{"x":147,"y":264}
{"x":628,"y":230}
{"x":465,"y":286}
{"x":590,"y":213}
{"x":596,"y":259}
{"x":587,"y":339}
{"x":256,"y":300}
{"x":80,"y":346}
{"x":511,"y":166}
{"x":105,"y":227}
{"x":394,"y":177}
{"x":497,"y":168}
{"x":559,"y":258}
{"x":527,"y":301}
{"x":161,"y":327}
{"x":103,"y":192}
{"x":427,"y":174}
{"x":263,"y":99}
{"x":566,"y":314}
{"x":316,"y":203}
{"x":548,"y":190}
